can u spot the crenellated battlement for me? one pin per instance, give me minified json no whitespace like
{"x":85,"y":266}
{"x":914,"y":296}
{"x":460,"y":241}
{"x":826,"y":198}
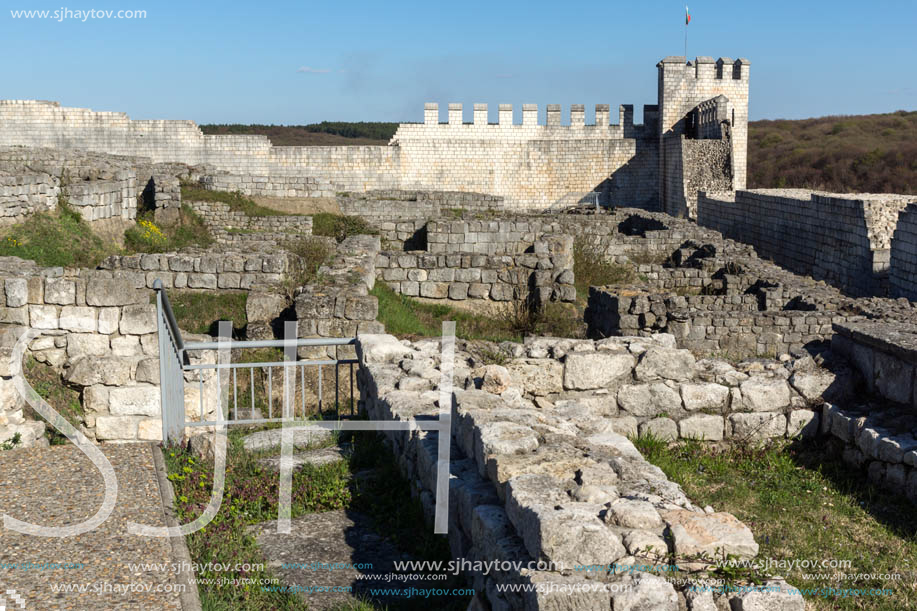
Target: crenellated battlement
{"x":707,"y":68}
{"x":553,"y":116}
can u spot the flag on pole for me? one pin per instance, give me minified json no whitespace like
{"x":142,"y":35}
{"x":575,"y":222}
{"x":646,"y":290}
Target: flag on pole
{"x":687,"y":15}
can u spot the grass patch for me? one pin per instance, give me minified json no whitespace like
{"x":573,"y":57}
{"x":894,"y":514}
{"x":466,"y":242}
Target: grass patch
{"x":48,"y":385}
{"x":191,"y":192}
{"x":340,"y":226}
{"x":60,"y":238}
{"x":189,"y":232}
{"x":251,"y":497}
{"x":592,"y":268}
{"x":199,"y":312}
{"x":406,"y":317}
{"x":309,"y":255}
{"x":802,"y":502}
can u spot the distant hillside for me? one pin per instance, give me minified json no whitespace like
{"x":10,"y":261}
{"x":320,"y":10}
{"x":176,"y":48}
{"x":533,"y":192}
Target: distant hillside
{"x":864,"y":153}
{"x":326,"y":133}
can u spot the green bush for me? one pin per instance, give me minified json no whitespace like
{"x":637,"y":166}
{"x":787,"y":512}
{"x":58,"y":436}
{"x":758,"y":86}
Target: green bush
{"x":339,"y":226}
{"x":59,"y":238}
{"x":189,"y":231}
{"x":309,"y":254}
{"x":192,"y":192}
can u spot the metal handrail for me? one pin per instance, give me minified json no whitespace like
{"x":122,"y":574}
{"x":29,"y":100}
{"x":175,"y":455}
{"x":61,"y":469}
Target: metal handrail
{"x":170,"y":316}
{"x":174,"y":360}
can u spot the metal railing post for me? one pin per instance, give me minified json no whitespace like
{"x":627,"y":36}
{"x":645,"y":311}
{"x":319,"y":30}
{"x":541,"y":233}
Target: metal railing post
{"x":171,"y":376}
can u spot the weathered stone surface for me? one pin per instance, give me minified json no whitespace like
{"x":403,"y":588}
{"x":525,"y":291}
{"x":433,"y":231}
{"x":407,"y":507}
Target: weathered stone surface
{"x":764,"y":394}
{"x":667,"y":364}
{"x":561,"y":593}
{"x":664,"y":429}
{"x":648,"y":399}
{"x":380,"y":348}
{"x":87,"y":344}
{"x":134,"y":401}
{"x":644,"y":592}
{"x":495,"y":379}
{"x":78,"y":319}
{"x":87,"y":371}
{"x":694,"y":534}
{"x":553,"y":527}
{"x":708,"y":395}
{"x":60,"y":291}
{"x":774,"y":595}
{"x":802,"y":422}
{"x":894,"y":378}
{"x":596,"y":370}
{"x":264,"y":307}
{"x":701,"y":426}
{"x":537,"y":376}
{"x":138,"y":319}
{"x":633,"y":513}
{"x":113,"y":292}
{"x":812,"y":384}
{"x":117,"y":427}
{"x":757,"y":426}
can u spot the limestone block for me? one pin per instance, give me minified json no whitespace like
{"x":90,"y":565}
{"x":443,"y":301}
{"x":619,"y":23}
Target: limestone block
{"x":894,"y":378}
{"x":645,"y":591}
{"x":714,"y":533}
{"x":113,"y":292}
{"x":137,"y":319}
{"x":88,"y":371}
{"x":763,"y":394}
{"x":126,"y":346}
{"x":537,"y":376}
{"x":60,"y":291}
{"x":117,"y":427}
{"x":556,"y":529}
{"x":773,"y":595}
{"x":704,"y":395}
{"x":87,"y":344}
{"x":95,"y":398}
{"x":148,"y":371}
{"x":380,"y":348}
{"x":134,"y":401}
{"x":757,"y":426}
{"x":633,"y":513}
{"x":434,"y":290}
{"x":702,"y":426}
{"x":667,"y":364}
{"x":648,"y":399}
{"x":150,"y":429}
{"x":597,"y":370}
{"x":43,"y":316}
{"x":661,"y":428}
{"x":78,"y":319}
{"x":17,"y":292}
{"x":803,"y":422}
{"x":109,"y":319}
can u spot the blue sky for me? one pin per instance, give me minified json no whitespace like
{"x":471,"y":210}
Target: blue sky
{"x":302,"y":62}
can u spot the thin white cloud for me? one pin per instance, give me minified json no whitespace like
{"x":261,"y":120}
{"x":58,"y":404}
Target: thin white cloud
{"x":310,"y":70}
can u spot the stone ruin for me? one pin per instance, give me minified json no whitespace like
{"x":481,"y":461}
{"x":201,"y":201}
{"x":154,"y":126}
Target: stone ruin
{"x":763,"y":315}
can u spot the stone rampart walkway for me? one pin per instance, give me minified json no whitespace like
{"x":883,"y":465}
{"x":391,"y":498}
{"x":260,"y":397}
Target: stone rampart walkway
{"x":60,"y":486}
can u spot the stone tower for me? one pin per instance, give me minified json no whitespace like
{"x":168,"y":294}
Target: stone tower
{"x":683,"y":86}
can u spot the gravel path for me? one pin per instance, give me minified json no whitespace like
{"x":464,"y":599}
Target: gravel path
{"x":58,"y":486}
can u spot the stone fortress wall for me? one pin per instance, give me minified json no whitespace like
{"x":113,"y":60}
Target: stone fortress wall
{"x":846,"y":240}
{"x":530,"y":166}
